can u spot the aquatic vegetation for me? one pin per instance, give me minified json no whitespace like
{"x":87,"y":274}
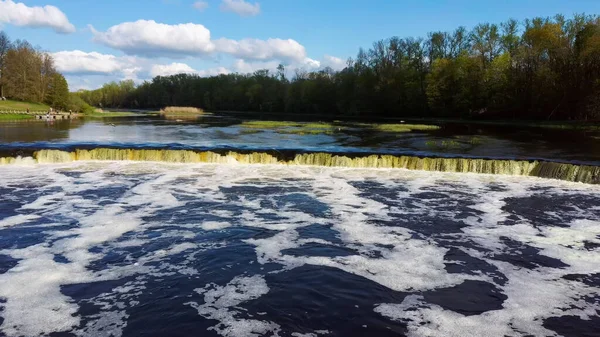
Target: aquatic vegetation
{"x":171,"y":110}
{"x":444,"y":144}
{"x":402,"y":127}
{"x":249,"y":131}
{"x":476,"y":141}
{"x":314,"y":128}
{"x":293,"y":128}
{"x":304,"y":131}
{"x":284,"y":124}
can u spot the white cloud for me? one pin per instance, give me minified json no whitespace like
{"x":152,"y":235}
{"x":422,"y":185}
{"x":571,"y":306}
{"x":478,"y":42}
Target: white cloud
{"x":333,"y":62}
{"x":310,"y":64}
{"x":79,"y":66}
{"x":213,"y":72}
{"x":240,"y":7}
{"x":171,"y":69}
{"x":200,"y":5}
{"x":152,"y":39}
{"x":19,"y":14}
{"x":79,"y":62}
{"x":256,"y":49}
{"x":182,"y":68}
{"x":243,"y":67}
{"x":149,"y":38}
{"x":82,"y":68}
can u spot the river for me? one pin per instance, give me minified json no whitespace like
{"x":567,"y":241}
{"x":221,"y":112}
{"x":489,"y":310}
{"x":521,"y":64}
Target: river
{"x":252,"y":241}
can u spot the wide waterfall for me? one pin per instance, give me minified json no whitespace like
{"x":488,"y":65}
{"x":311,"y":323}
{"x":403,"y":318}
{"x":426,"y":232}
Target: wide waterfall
{"x":543,"y":169}
{"x":160,"y":227}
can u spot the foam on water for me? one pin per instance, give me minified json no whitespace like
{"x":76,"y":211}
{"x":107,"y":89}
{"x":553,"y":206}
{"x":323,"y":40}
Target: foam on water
{"x":130,"y":225}
{"x":220,"y":302}
{"x":17,"y":220}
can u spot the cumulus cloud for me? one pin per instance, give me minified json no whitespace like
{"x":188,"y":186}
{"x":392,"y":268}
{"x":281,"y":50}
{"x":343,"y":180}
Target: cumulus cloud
{"x":171,"y":69}
{"x":244,"y":67}
{"x":182,"y":68}
{"x":240,"y":7}
{"x":19,"y":14}
{"x":213,"y":72}
{"x":152,"y":39}
{"x":333,"y":62}
{"x":149,"y":38}
{"x":262,"y":49}
{"x":79,"y":62}
{"x":77,"y":65}
{"x":200,"y":5}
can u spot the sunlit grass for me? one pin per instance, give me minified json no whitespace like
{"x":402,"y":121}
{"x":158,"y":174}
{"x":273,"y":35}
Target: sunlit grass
{"x":14,"y":117}
{"x":10,"y":105}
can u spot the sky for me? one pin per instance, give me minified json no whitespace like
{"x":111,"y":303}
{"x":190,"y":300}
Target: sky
{"x":97,"y":41}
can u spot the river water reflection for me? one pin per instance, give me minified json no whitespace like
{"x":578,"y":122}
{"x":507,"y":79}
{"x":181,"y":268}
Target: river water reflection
{"x":470,"y":140}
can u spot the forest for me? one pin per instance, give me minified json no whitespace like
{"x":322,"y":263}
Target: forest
{"x":28,"y":74}
{"x":538,"y":69}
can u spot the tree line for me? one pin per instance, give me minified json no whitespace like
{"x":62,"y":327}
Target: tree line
{"x":541,"y":68}
{"x":28,"y":74}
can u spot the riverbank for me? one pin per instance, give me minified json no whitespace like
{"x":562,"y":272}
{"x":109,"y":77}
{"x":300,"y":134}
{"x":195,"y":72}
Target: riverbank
{"x":11,"y":105}
{"x":15,"y":117}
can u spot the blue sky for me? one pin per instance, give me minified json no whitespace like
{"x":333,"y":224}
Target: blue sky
{"x":98,"y":41}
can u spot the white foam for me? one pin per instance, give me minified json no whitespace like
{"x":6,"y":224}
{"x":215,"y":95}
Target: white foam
{"x":408,"y":261}
{"x":219,"y":304}
{"x":410,"y":264}
{"x":214,"y":225}
{"x":18,"y":219}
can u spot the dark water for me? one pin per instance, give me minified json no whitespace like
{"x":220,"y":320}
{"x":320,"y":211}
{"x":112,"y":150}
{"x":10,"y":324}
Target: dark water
{"x":218,"y":131}
{"x":142,"y":249}
{"x":153,"y":249}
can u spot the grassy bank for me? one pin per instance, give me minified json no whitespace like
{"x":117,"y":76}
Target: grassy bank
{"x":15,"y":117}
{"x":11,"y":105}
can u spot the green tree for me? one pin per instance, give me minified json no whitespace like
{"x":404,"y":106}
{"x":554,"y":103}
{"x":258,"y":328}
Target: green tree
{"x":58,"y":96}
{"x":5,"y":46}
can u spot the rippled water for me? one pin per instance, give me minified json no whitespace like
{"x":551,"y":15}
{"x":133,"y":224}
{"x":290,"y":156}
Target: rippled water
{"x":149,"y":249}
{"x":500,"y":142}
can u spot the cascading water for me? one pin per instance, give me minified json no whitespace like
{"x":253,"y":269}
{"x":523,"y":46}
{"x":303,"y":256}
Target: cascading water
{"x":107,"y":235}
{"x":562,"y":171}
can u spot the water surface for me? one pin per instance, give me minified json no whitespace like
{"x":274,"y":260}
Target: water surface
{"x":500,"y":142}
{"x":143,"y":249}
{"x":154,"y":249}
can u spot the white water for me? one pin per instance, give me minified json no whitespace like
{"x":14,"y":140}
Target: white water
{"x":408,"y":261}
